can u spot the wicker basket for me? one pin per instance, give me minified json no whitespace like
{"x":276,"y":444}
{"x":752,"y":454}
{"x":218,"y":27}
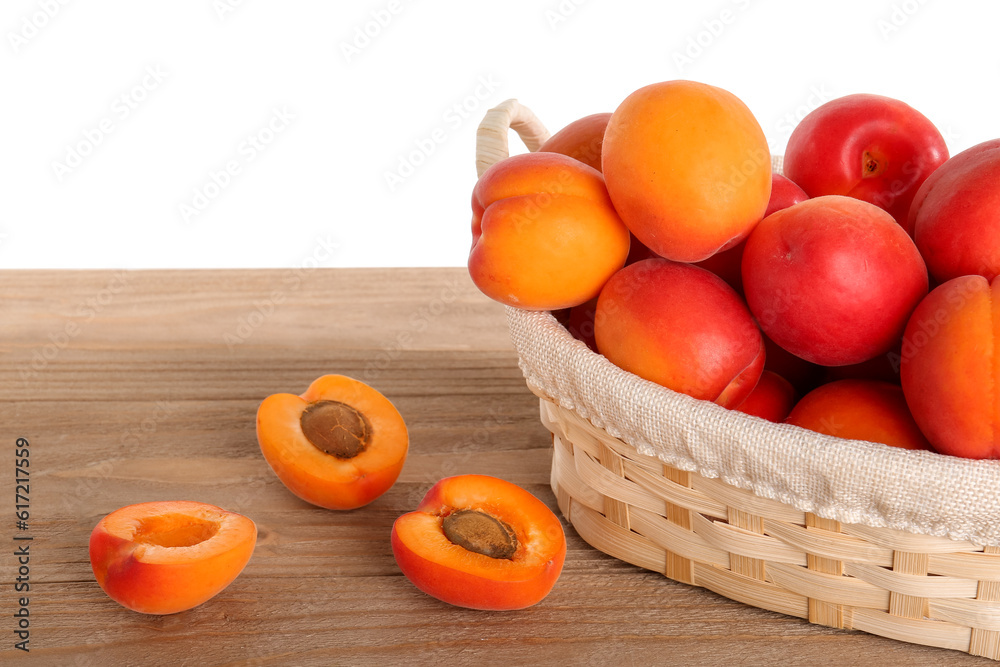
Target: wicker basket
{"x":676,"y":503}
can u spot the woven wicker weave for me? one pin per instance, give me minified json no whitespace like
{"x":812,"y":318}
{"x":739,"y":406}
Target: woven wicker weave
{"x":702,"y":531}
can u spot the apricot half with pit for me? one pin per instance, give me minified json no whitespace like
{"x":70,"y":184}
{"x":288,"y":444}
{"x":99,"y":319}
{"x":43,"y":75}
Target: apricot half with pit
{"x":340,"y":445}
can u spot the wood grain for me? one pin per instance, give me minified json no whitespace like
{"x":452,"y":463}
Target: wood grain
{"x":142,"y":385}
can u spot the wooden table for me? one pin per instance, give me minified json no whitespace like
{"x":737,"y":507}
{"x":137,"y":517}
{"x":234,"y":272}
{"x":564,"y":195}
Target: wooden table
{"x":143,"y":385}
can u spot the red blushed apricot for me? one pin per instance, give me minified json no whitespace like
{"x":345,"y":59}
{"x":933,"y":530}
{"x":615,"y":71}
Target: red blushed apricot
{"x":544,"y":232}
{"x":581,"y":140}
{"x":873,"y":148}
{"x":682,"y":327}
{"x":772,"y":399}
{"x":340,"y":445}
{"x":687,"y":167}
{"x":480,"y":542}
{"x":832,"y":279}
{"x":950,"y":370}
{"x":165,"y":557}
{"x":860,"y":410}
{"x":955,"y":215}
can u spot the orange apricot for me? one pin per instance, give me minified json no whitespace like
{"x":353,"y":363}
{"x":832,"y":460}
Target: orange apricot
{"x":340,"y":445}
{"x":687,"y":167}
{"x":165,"y":557}
{"x":582,"y":139}
{"x":544,"y":232}
{"x":950,"y":370}
{"x":480,"y":542}
{"x":682,"y":327}
{"x":860,"y":410}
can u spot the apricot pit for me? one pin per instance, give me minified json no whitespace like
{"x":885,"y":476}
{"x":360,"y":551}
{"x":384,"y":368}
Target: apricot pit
{"x":477,"y":531}
{"x":336,"y":428}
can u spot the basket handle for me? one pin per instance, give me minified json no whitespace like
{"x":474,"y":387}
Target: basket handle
{"x":491,"y":137}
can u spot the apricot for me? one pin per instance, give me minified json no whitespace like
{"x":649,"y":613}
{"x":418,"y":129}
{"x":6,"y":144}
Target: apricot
{"x":860,"y":410}
{"x":772,"y":399}
{"x":340,"y":445}
{"x":955,"y":215}
{"x":949,"y":367}
{"x":682,"y":327}
{"x":165,"y":557}
{"x":582,"y":139}
{"x":832,"y":279}
{"x":687,"y":167}
{"x":869,"y":147}
{"x":480,"y":542}
{"x":544,"y":232}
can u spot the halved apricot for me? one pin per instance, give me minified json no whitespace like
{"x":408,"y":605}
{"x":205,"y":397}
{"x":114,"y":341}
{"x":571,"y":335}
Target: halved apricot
{"x":165,"y":557}
{"x":480,"y":542}
{"x":340,"y":445}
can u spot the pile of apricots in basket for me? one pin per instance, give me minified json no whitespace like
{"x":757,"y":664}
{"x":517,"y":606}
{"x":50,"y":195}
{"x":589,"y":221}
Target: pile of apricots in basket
{"x":852,"y":294}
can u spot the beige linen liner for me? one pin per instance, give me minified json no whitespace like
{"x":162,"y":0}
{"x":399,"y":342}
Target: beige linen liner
{"x":844,"y":480}
{"x":848,"y":534}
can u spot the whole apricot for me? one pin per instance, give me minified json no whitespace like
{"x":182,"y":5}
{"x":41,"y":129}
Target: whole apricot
{"x":682,"y":327}
{"x":582,"y":139}
{"x":687,"y":167}
{"x":949,"y":367}
{"x":955,"y":216}
{"x":832,"y":279}
{"x":544,"y":232}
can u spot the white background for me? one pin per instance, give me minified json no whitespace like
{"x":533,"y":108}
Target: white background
{"x":316,"y":190}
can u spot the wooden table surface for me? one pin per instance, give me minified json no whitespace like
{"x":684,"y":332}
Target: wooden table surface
{"x":143,"y":385}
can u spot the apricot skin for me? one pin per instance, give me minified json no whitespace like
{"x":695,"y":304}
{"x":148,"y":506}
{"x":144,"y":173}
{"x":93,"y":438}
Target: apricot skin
{"x":544,"y":232}
{"x":955,"y":215}
{"x":832,"y":279}
{"x":687,"y":167}
{"x":870,"y":147}
{"x":166,"y":580}
{"x":465,"y":578}
{"x":772,"y":399}
{"x":949,"y":367}
{"x":682,"y":327}
{"x":860,"y":410}
{"x":582,"y":139}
